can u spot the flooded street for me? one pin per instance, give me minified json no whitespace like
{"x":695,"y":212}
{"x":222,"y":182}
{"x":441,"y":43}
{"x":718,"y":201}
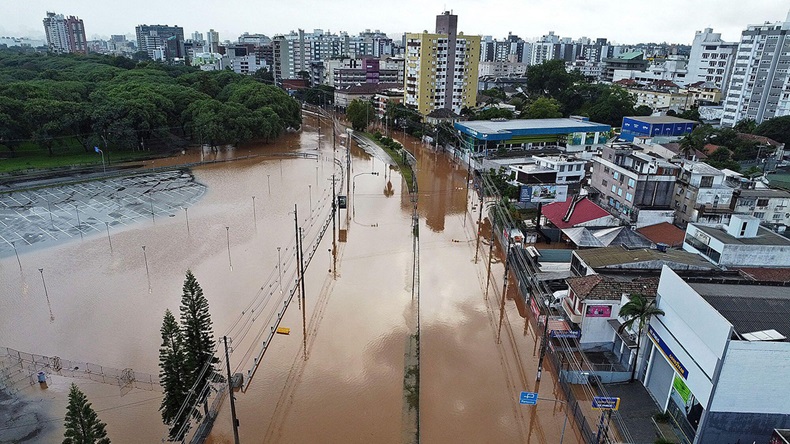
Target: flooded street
{"x":106,"y":309}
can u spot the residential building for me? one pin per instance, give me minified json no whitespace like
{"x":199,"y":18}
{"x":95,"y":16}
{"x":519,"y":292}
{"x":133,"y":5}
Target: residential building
{"x":632,"y":61}
{"x":161,"y":42}
{"x":254,"y":39}
{"x":577,"y":212}
{"x":570,"y":169}
{"x":664,"y":235}
{"x":65,"y":34}
{"x":212,"y":41}
{"x":578,"y":136}
{"x":702,"y":93}
{"x":714,"y":357}
{"x":442,"y":68}
{"x":22,"y":42}
{"x":701,"y":195}
{"x":371,"y":44}
{"x":384,"y":98}
{"x":292,"y":55}
{"x":758,"y":85}
{"x":594,"y":300}
{"x":367,"y":70}
{"x":659,"y":128}
{"x":673,"y":69}
{"x":362,"y":91}
{"x":711,"y":59}
{"x":660,"y":96}
{"x":502,"y":69}
{"x":590,"y":69}
{"x":772,"y":207}
{"x":630,"y":181}
{"x":511,"y":50}
{"x":741,"y":243}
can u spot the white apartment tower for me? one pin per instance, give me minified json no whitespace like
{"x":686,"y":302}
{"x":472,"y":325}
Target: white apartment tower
{"x":759,"y":87}
{"x":65,"y":34}
{"x":441,"y":68}
{"x":711,"y":59}
{"x":212,"y":41}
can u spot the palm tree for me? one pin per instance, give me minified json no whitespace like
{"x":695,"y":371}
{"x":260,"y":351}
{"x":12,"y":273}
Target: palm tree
{"x":637,"y":312}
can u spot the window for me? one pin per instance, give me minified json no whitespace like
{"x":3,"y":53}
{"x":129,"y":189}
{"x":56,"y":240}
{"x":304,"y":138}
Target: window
{"x":777,"y":216}
{"x":616,"y":175}
{"x":605,"y":183}
{"x":685,"y":208}
{"x":614,"y":188}
{"x":629,"y":197}
{"x":759,"y":215}
{"x":762,"y":202}
{"x":562,"y":168}
{"x":706,"y":182}
{"x":631,"y":183}
{"x":619,"y":191}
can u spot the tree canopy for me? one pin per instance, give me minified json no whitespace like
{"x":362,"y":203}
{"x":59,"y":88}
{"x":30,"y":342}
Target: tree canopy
{"x":82,"y":423}
{"x":50,"y":100}
{"x":360,"y":113}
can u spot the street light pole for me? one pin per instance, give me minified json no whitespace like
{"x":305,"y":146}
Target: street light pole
{"x":227,"y":235}
{"x":46,"y":294}
{"x":107,"y":224}
{"x":147,"y":274}
{"x":254,"y":215}
{"x":98,"y":150}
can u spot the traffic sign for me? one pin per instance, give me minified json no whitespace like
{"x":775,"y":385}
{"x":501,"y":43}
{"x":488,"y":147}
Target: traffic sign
{"x":528,"y":398}
{"x":605,"y":403}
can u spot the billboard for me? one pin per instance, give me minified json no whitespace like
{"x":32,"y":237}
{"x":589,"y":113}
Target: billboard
{"x":543,"y":193}
{"x":599,"y":311}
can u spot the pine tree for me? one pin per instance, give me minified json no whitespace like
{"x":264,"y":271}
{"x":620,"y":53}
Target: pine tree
{"x":171,"y":373}
{"x":82,"y":423}
{"x":197,"y":335}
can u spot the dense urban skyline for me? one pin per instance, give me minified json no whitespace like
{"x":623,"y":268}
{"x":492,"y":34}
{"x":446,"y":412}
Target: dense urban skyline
{"x":619,"y":21}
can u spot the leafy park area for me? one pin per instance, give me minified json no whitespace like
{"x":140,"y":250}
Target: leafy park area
{"x":55,"y":109}
{"x":397,"y":152}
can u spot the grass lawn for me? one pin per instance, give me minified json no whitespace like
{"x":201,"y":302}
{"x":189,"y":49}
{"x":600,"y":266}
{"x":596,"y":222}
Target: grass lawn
{"x":30,"y":156}
{"x":405,"y":168}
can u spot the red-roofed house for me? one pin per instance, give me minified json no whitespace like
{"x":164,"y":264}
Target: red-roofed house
{"x":577,"y":212}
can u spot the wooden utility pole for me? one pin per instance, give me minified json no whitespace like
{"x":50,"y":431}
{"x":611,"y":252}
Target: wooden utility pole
{"x":232,"y":398}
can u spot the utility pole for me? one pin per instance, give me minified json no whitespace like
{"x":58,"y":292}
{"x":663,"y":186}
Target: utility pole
{"x":304,"y":301}
{"x":232,"y":398}
{"x":334,"y":234}
{"x":504,"y":293}
{"x":479,"y":223}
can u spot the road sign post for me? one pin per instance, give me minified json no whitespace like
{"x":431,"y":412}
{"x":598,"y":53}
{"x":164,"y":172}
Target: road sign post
{"x":531,"y":398}
{"x":607,"y":405}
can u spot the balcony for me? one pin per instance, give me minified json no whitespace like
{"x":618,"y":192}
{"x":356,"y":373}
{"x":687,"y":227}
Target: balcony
{"x":576,"y":318}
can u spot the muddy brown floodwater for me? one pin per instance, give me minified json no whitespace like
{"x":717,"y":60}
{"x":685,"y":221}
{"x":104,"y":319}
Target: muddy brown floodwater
{"x":350,"y":387}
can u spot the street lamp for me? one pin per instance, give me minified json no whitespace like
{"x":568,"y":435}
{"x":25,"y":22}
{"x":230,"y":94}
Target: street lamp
{"x":98,"y":150}
{"x":354,"y":188}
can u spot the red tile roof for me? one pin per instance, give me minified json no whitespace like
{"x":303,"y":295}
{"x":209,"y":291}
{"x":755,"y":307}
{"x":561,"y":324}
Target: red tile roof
{"x":584,"y":211}
{"x":602,"y":287}
{"x":665,"y":233}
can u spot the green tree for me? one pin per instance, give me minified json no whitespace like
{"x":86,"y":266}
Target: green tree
{"x":611,"y":106}
{"x":197,"y":334}
{"x":637,"y":313}
{"x":745,"y":126}
{"x":550,"y":79}
{"x":643,"y":110}
{"x":542,"y":108}
{"x":493,"y":113}
{"x":360,"y":113}
{"x":171,"y":373}
{"x":777,"y":129}
{"x":82,"y":423}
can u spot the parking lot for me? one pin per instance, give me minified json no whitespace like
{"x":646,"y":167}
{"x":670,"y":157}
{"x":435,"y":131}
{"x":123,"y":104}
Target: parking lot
{"x":31,"y":218}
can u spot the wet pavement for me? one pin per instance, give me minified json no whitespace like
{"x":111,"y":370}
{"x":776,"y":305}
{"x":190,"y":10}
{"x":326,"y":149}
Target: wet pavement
{"x":350,"y":388}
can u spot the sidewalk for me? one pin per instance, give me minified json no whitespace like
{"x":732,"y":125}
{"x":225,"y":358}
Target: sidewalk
{"x":637,"y":409}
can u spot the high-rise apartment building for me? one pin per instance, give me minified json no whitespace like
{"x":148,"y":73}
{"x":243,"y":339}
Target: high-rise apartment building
{"x":161,"y":42}
{"x":711,"y":59}
{"x":65,"y":35}
{"x":441,"y":68}
{"x":212,"y":41}
{"x":757,"y":88}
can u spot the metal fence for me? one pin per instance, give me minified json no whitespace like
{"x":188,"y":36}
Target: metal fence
{"x":20,"y":367}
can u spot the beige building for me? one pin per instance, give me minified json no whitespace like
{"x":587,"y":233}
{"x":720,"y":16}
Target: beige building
{"x":441,"y":69}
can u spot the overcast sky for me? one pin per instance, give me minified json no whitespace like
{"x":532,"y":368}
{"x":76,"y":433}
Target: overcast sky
{"x":622,"y":21}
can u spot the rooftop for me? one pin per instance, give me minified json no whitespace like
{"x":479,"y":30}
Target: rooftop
{"x":654,"y":120}
{"x":765,"y":192}
{"x":601,"y":287}
{"x":507,"y":129}
{"x":584,"y":211}
{"x":702,"y":168}
{"x":665,"y":233}
{"x":765,"y":274}
{"x":623,"y":258}
{"x":366,"y":88}
{"x":750,"y":308}
{"x":764,"y":237}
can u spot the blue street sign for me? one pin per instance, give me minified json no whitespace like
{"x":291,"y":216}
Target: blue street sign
{"x":528,"y":398}
{"x":97,"y":149}
{"x":605,"y":403}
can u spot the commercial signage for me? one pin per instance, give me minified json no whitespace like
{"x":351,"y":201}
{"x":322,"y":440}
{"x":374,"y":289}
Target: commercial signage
{"x":683,"y":390}
{"x":342,"y":202}
{"x":664,"y":348}
{"x":605,"y":403}
{"x":599,"y":311}
{"x":528,"y":398}
{"x":568,"y":334}
{"x":543,"y":193}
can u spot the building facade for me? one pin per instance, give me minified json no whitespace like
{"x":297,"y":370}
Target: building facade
{"x":65,"y":34}
{"x":701,"y":195}
{"x":713,"y":360}
{"x":630,"y":181}
{"x":161,"y":42}
{"x":741,"y":243}
{"x":441,"y":69}
{"x":758,"y":86}
{"x":711,"y":59}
